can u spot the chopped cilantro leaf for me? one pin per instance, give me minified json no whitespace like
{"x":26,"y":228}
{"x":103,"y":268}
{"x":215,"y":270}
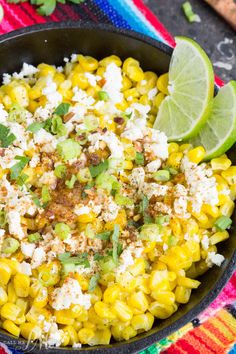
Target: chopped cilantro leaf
{"x":105,"y":236}
{"x":6,"y":137}
{"x":35,"y":127}
{"x":70,"y":183}
{"x":19,"y":166}
{"x":115,"y":238}
{"x":62,"y":109}
{"x":96,"y":170}
{"x":139,"y":159}
{"x":97,"y":257}
{"x":80,"y":259}
{"x":93,"y":282}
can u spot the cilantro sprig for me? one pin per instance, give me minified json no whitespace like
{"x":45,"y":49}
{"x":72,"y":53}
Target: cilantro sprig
{"x":80,"y":259}
{"x":19,"y":166}
{"x":45,"y":7}
{"x":6,"y":137}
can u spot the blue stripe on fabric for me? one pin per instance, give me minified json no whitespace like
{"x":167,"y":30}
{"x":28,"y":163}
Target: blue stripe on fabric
{"x":137,"y":23}
{"x":116,"y":19}
{"x":122,"y":15}
{"x":233,"y":350}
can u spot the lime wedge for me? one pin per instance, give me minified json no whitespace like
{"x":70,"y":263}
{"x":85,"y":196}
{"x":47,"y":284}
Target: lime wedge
{"x":191,"y":87}
{"x":219,"y":132}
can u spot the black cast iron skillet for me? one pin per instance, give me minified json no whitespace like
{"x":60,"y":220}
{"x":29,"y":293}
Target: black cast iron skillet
{"x":51,"y":43}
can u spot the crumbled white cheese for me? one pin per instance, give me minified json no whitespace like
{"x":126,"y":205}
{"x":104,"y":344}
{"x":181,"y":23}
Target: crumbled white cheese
{"x":205,"y":242}
{"x":154,"y":189}
{"x":27,"y":70}
{"x":180,"y":207}
{"x":74,"y":58}
{"x":153,"y":166}
{"x":137,"y":177}
{"x":34,"y":161}
{"x":70,"y":293}
{"x":202,"y":187}
{"x":126,"y":260}
{"x":49,"y":179}
{"x":113,"y":143}
{"x":92,"y":79}
{"x":47,"y":141}
{"x":152,"y":93}
{"x":50,"y":91}
{"x":7,"y":161}
{"x":110,"y":210}
{"x":165,"y":247}
{"x":214,"y":258}
{"x":158,"y":144}
{"x":25,"y":268}
{"x":54,"y":335}
{"x":77,"y":345}
{"x":3,"y":114}
{"x":113,"y":84}
{"x":21,"y":135}
{"x":43,"y":113}
{"x":27,"y":249}
{"x":6,"y":79}
{"x":39,"y":256}
{"x":81,"y":210}
{"x":14,"y":223}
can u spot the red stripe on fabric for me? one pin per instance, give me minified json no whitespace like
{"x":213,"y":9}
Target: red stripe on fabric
{"x":11,"y":14}
{"x":206,"y":338}
{"x":149,"y":15}
{"x":200,"y":340}
{"x":91,"y":15}
{"x":219,"y":82}
{"x":173,"y":350}
{"x":31,"y":11}
{"x":187,"y":346}
{"x":69,"y":12}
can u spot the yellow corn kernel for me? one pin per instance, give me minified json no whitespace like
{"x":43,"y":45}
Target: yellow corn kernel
{"x":83,"y":282}
{"x":174,"y":159}
{"x":86,"y":335}
{"x":46,"y":70}
{"x":221,"y":163}
{"x":132,"y":69}
{"x":34,"y":288}
{"x":106,"y":278}
{"x":126,"y":83}
{"x":20,"y":320}
{"x":12,"y":263}
{"x":64,"y":317}
{"x":201,"y":217}
{"x":233,"y":191}
{"x":33,"y":314}
{"x":122,"y":106}
{"x":163,"y":297}
{"x":5,"y":272}
{"x":100,"y":71}
{"x":230,"y":175}
{"x":138,"y":302}
{"x":219,"y":237}
{"x":192,"y":248}
{"x":23,"y":304}
{"x":41,"y":298}
{"x":128,"y":332}
{"x":3,"y":296}
{"x":21,"y":284}
{"x":142,"y":321}
{"x":121,"y":220}
{"x":158,"y":100}
{"x":173,"y":147}
{"x":10,"y":327}
{"x":182,"y":294}
{"x":161,"y":311}
{"x":188,"y":283}
{"x":102,"y":337}
{"x":78,"y":325}
{"x":59,"y":78}
{"x":148,"y":82}
{"x":103,"y":310}
{"x":88,"y":63}
{"x":86,"y":218}
{"x":128,"y":165}
{"x":149,"y":246}
{"x":83,"y":317}
{"x":185,"y":147}
{"x":7,"y":101}
{"x":222,"y":199}
{"x":122,"y":311}
{"x":10,"y":311}
{"x":212,"y":210}
{"x":177,"y":258}
{"x":227,"y":208}
{"x":96,"y":295}
{"x":138,"y":267}
{"x":190,"y":227}
{"x":159,"y":280}
{"x":131,"y":93}
{"x":11,"y":292}
{"x":126,"y":281}
{"x":117,"y":331}
{"x":159,"y":266}
{"x":30,"y":331}
{"x":175,"y":225}
{"x":72,"y":334}
{"x":19,"y":94}
{"x":65,"y":336}
{"x":111,"y":59}
{"x":80,"y":80}
{"x":162,"y":83}
{"x":111,"y":294}
{"x":197,"y":154}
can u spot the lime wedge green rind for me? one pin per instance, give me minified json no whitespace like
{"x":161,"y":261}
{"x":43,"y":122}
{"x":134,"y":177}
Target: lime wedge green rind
{"x":219,"y":132}
{"x":191,"y":86}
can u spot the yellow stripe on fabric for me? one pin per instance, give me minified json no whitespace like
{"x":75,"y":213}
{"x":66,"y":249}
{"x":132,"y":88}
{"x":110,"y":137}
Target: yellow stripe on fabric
{"x":229,"y":320}
{"x":226,"y":332}
{"x":213,"y":338}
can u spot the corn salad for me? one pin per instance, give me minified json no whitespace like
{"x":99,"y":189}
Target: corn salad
{"x":104,"y":225}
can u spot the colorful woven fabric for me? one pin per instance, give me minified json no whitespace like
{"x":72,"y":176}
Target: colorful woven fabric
{"x":215,"y":331}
